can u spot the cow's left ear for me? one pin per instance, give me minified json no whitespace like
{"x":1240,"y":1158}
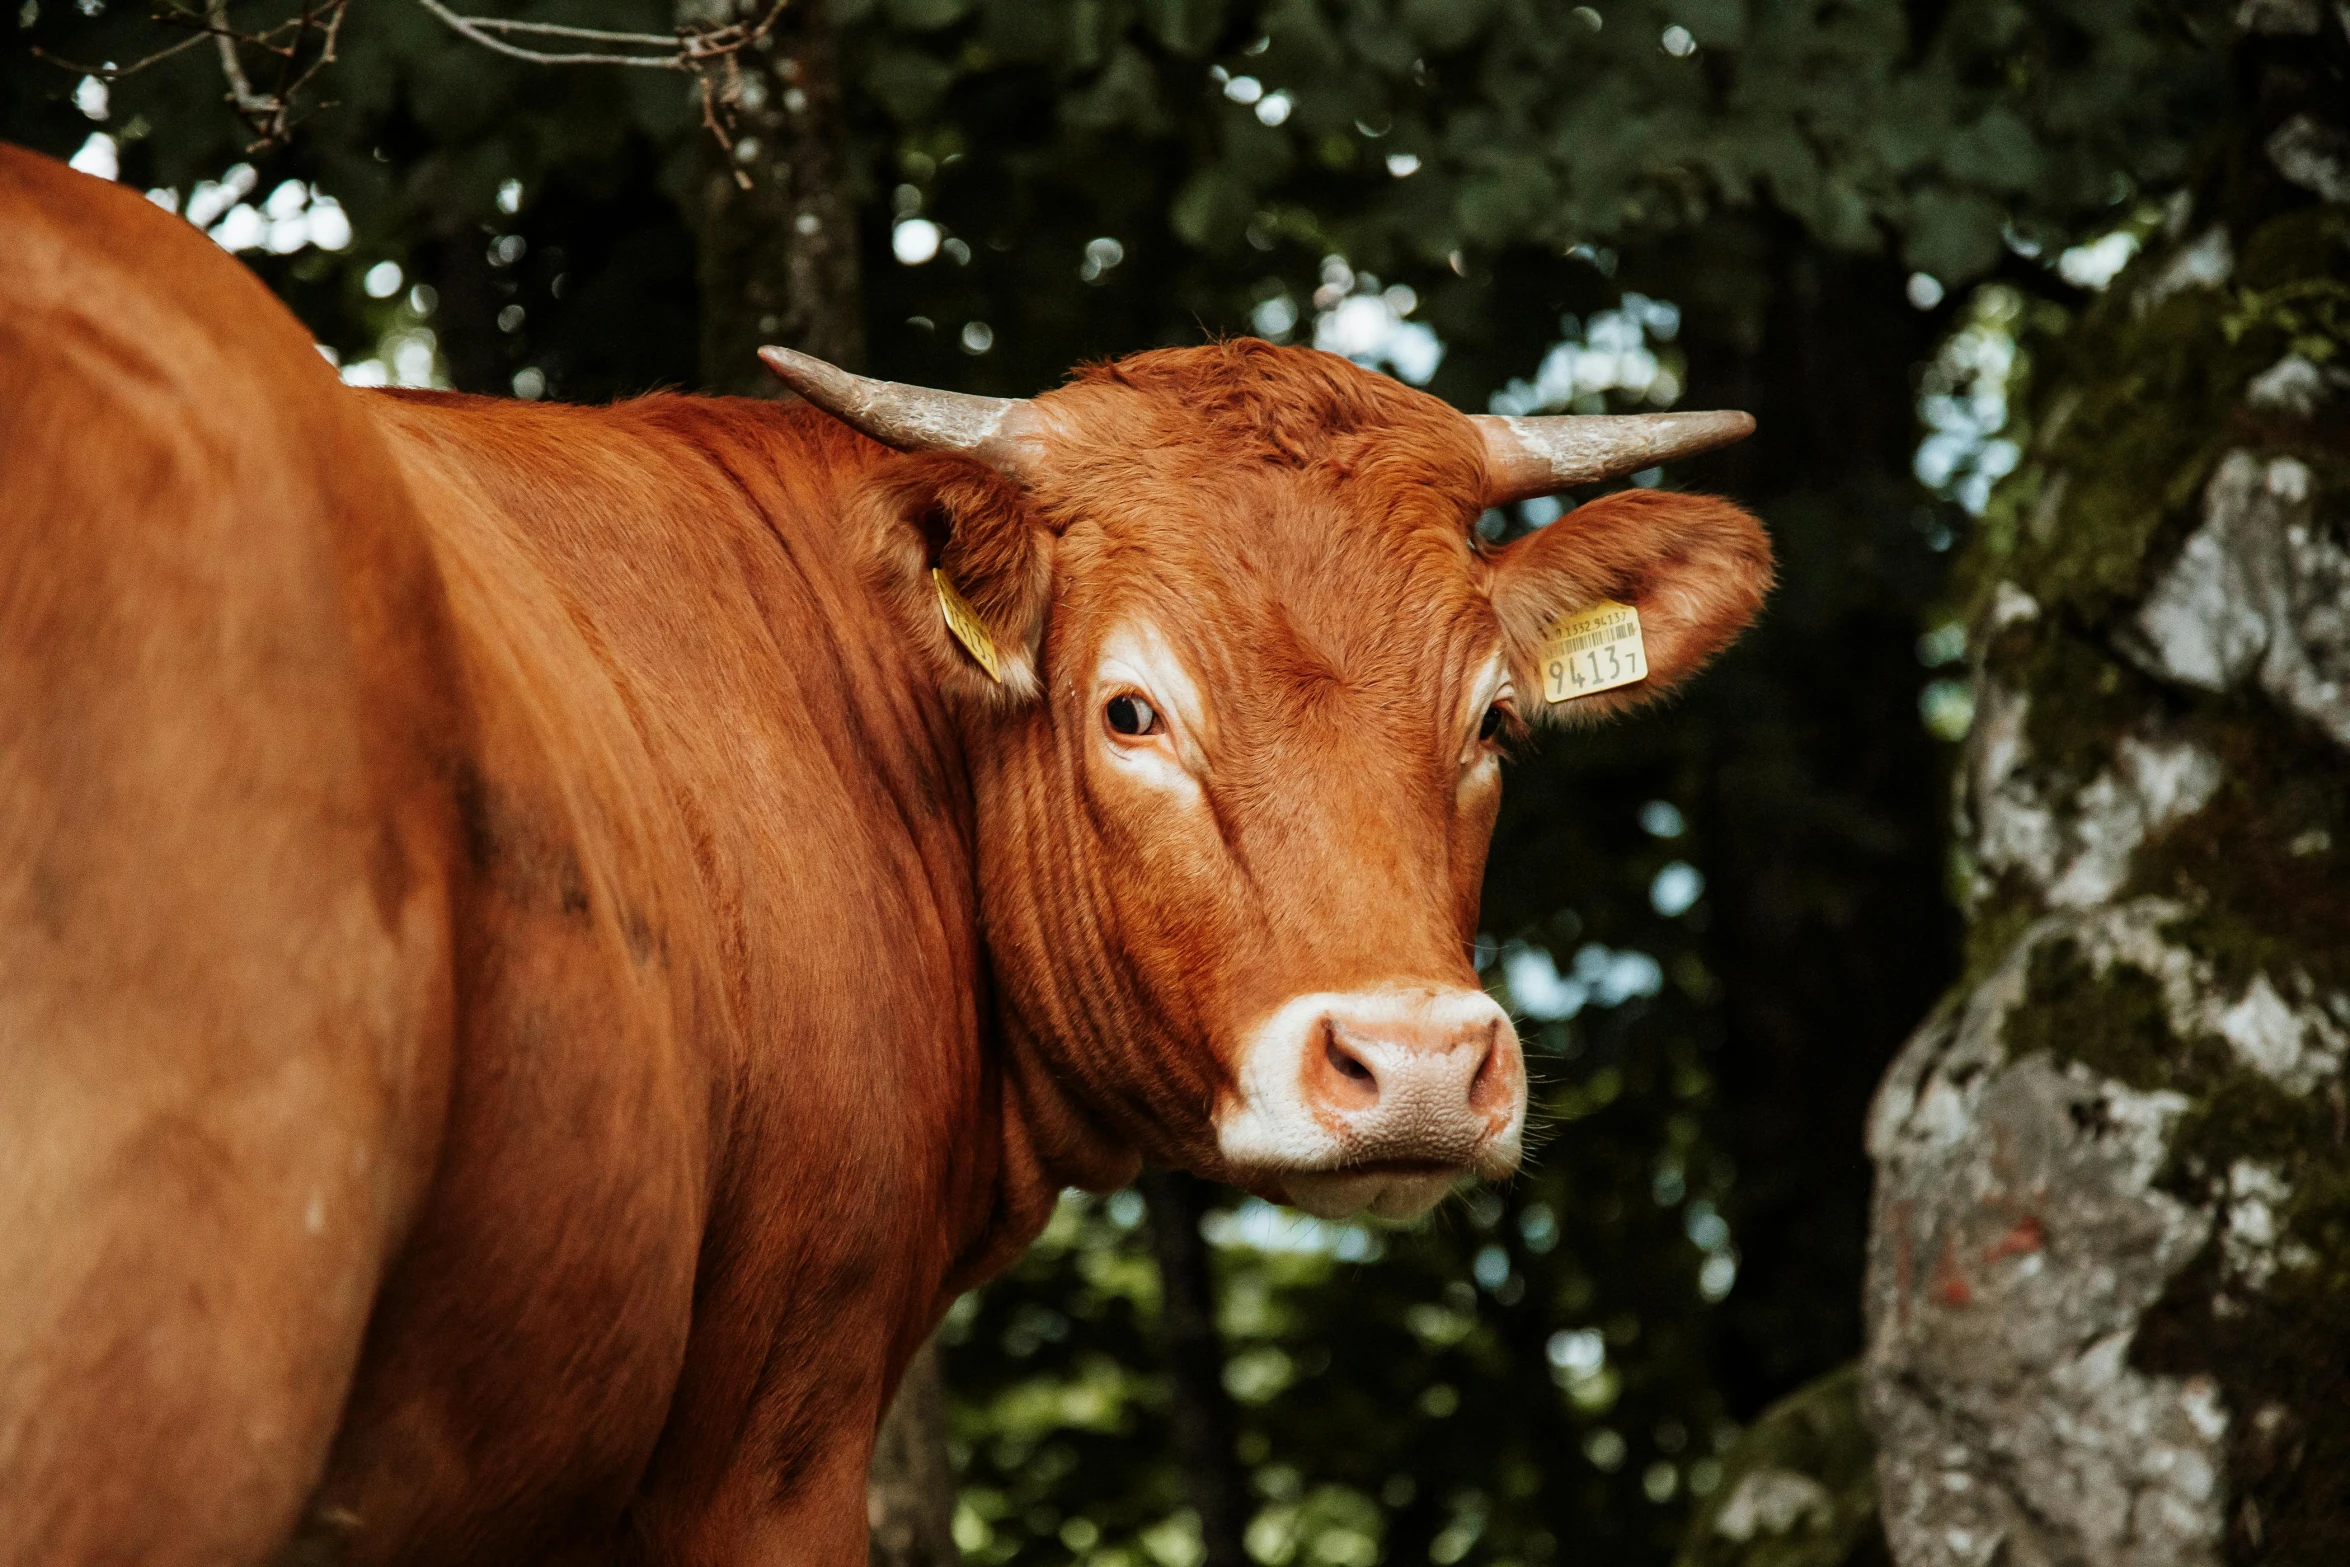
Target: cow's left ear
{"x":1695,"y":567}
{"x":953,"y":549}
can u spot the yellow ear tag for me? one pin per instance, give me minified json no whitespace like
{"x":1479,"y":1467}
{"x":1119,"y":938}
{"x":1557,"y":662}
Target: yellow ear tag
{"x":1593,"y":650}
{"x":965,"y":626}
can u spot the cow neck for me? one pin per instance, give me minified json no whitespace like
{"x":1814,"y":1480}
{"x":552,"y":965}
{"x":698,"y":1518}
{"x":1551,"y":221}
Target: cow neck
{"x":1069,"y":1011}
{"x":1047,"y":1138}
{"x":906,"y":748}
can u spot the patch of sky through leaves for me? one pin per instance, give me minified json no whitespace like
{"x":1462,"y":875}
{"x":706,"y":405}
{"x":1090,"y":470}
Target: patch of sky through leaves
{"x":1356,"y":317}
{"x":1964,"y":406}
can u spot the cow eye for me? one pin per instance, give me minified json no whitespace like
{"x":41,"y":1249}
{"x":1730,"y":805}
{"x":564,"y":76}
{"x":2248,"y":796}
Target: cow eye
{"x":1131,"y":715}
{"x":1490,"y":727}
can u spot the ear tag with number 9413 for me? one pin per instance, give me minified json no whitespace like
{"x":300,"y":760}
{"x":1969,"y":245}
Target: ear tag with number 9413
{"x":1593,"y":650}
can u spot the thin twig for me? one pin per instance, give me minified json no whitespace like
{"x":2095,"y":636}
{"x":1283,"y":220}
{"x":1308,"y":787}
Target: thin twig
{"x":240,"y":87}
{"x":304,"y":44}
{"x":710,"y":120}
{"x":114,"y":73}
{"x":497,"y":24}
{"x":470,"y":28}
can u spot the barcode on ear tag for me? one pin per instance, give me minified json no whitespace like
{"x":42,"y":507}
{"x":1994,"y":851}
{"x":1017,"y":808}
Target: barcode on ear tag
{"x":1593,"y":650}
{"x":965,"y":626}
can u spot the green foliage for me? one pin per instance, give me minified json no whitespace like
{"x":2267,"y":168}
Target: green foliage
{"x":415,"y":132}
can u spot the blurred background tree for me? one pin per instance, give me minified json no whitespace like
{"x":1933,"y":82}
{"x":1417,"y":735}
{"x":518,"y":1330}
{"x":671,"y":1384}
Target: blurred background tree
{"x":1717,"y":921}
{"x":2108,"y":1293}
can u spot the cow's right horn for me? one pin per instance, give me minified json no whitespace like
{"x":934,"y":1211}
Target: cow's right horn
{"x":912,"y":418}
{"x":1529,"y":457}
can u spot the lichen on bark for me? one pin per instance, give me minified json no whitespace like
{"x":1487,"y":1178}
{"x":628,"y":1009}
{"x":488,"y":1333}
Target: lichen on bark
{"x":1797,"y":1490}
{"x":2109,"y":1290}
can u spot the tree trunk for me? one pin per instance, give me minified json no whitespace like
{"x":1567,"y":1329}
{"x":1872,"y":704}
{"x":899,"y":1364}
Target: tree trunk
{"x":1195,"y":1361}
{"x":910,"y":1492}
{"x":454,"y":264}
{"x":779,"y":215}
{"x":2109,"y":1308}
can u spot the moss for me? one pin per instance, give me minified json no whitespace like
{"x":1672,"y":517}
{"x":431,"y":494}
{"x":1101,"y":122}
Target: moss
{"x":1996,"y":924}
{"x":2134,"y":410}
{"x":2128,"y":415}
{"x":2280,"y":1350}
{"x":2145,"y":417}
{"x":2112,"y":1021}
{"x":2264,"y":868}
{"x":2082,"y":696}
{"x":2296,"y":251}
{"x":1815,"y":1433}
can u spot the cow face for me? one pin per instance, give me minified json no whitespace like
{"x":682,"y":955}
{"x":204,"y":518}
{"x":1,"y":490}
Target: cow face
{"x":1238,"y":759}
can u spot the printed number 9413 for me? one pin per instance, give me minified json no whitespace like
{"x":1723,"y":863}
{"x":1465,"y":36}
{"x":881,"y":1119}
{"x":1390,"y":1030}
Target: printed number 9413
{"x":1595,"y":650}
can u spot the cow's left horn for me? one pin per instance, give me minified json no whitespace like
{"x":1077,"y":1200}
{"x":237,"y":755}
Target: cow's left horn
{"x":1529,"y":457}
{"x":910,"y":418}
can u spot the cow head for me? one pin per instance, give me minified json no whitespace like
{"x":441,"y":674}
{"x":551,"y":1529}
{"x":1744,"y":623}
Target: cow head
{"x":1237,"y":758}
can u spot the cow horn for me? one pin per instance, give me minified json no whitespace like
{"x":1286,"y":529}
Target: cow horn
{"x":1529,"y":457}
{"x":910,"y":418}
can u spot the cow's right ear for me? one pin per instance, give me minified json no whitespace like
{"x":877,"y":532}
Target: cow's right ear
{"x":954,"y":551}
{"x":1693,"y":567}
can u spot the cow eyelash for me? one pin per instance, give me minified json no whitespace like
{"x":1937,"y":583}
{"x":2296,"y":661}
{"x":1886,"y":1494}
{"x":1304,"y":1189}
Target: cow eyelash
{"x":1130,"y":717}
{"x":1501,"y":727}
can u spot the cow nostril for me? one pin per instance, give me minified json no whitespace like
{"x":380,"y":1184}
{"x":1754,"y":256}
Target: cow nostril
{"x":1487,"y":1085}
{"x":1345,"y":1064}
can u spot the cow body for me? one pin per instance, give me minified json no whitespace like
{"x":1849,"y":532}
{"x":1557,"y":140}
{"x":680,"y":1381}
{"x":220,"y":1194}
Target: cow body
{"x":533,"y":966}
{"x":642,"y":874}
{"x":718,"y":1073}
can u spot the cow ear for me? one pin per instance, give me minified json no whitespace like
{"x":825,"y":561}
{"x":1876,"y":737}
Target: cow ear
{"x":954,"y":551}
{"x":1694,"y":567}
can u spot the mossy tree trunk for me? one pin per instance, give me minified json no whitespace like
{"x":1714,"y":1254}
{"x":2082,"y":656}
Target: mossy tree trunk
{"x":2109,"y":1293}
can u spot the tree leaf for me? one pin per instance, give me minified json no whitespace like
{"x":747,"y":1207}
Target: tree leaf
{"x":1212,"y":210}
{"x":1952,"y":234}
{"x":926,"y":15}
{"x":908,"y":83}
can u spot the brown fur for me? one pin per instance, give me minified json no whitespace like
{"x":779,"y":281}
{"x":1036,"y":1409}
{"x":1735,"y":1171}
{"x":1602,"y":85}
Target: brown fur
{"x":531,"y":970}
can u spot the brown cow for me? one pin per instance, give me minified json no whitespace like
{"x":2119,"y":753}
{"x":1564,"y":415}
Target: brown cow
{"x":533,"y":967}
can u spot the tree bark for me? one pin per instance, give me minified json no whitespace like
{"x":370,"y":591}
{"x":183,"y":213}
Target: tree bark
{"x":454,"y":264}
{"x":779,"y":216}
{"x":910,"y":1492}
{"x":1203,"y":1424}
{"x":2109,"y":1316}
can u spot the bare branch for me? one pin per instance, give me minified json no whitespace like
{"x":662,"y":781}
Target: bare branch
{"x":471,"y":28}
{"x":699,"y":50}
{"x":111,"y":72}
{"x":498,"y":24}
{"x":304,"y":44}
{"x":714,"y":122}
{"x":240,"y":86}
